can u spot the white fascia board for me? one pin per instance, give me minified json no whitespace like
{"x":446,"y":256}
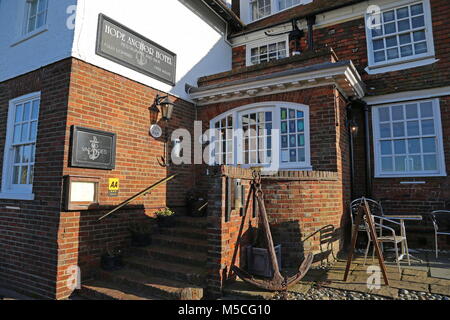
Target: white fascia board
{"x":338,"y":76}
{"x":407,"y":96}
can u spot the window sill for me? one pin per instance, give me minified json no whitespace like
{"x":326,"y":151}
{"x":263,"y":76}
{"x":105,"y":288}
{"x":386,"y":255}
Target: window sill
{"x":30,"y":35}
{"x":417,"y":175}
{"x":17,"y":196}
{"x":401,"y":65}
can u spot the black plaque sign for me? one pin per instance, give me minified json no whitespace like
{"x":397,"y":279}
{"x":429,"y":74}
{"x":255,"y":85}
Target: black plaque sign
{"x":93,"y":149}
{"x":130,"y":49}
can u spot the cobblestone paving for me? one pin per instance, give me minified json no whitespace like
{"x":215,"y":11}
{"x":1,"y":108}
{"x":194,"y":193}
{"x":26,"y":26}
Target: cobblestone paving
{"x":426,"y":280}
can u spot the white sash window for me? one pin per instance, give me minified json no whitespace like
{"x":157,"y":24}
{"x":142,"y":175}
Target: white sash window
{"x":20,"y":148}
{"x":408,"y":139}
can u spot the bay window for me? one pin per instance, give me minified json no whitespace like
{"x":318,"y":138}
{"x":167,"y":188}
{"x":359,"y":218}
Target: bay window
{"x":408,"y":140}
{"x":20,"y":148}
{"x":262,"y":135}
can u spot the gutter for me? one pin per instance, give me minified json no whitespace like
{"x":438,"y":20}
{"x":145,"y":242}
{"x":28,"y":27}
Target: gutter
{"x":299,"y":17}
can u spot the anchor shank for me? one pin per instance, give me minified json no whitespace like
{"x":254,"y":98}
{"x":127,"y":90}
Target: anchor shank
{"x":268,"y":233}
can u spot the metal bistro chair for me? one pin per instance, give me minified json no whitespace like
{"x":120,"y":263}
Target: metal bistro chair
{"x":375,"y":208}
{"x":391,"y":237}
{"x":436,"y":218}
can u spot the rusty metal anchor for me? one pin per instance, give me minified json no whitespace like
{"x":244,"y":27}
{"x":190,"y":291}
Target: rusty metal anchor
{"x":278,"y":282}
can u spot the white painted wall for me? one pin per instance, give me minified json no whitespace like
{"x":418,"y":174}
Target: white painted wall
{"x":52,"y":44}
{"x":197,"y":38}
{"x":186,"y":27}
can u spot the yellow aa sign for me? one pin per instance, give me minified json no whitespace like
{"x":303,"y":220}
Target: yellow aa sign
{"x":113,"y":184}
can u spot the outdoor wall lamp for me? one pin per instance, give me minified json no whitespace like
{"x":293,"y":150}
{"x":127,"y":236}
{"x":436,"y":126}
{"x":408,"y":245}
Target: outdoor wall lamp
{"x":166,"y":107}
{"x":354,"y":128}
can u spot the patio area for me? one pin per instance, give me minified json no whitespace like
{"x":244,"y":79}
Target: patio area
{"x":429,"y":280}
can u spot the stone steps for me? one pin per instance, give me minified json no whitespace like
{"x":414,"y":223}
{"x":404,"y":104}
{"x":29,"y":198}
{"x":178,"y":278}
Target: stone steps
{"x":190,"y":232}
{"x":185,"y":221}
{"x":151,"y":286}
{"x":153,"y":267}
{"x":173,"y":267}
{"x":103,"y":290}
{"x":194,"y":258}
{"x":167,"y":241}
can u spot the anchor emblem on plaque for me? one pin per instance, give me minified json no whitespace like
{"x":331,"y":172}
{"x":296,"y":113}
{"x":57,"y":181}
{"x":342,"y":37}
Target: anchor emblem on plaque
{"x":141,"y":58}
{"x":94,"y":152}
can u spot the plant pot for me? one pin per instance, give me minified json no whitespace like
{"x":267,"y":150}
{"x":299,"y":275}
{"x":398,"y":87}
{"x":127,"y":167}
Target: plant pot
{"x":140,"y":239}
{"x":193,"y":207}
{"x":111,"y":263}
{"x":258,"y":261}
{"x":165,"y":221}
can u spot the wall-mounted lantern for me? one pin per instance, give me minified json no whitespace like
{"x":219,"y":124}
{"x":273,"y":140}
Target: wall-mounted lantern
{"x":354,"y":128}
{"x":166,"y":107}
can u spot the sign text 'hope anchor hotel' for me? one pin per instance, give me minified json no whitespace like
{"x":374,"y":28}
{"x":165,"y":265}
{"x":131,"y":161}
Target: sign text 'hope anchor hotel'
{"x":130,"y":49}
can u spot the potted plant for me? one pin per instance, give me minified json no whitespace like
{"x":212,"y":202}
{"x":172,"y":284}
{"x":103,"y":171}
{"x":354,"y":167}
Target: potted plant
{"x":112,"y":260}
{"x":196,"y":204}
{"x":258,"y":257}
{"x":165,"y":218}
{"x":140,"y":234}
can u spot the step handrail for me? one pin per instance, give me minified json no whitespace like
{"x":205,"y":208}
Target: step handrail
{"x":153,"y":186}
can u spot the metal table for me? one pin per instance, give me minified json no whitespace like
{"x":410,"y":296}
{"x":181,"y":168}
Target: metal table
{"x":405,"y":217}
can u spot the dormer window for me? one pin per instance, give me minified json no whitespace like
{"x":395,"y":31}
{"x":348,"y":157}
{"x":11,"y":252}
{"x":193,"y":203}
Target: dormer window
{"x":36,"y":15}
{"x":258,"y":9}
{"x":284,"y":4}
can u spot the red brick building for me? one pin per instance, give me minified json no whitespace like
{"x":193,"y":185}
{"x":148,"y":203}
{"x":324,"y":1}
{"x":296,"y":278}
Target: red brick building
{"x":293,"y":76}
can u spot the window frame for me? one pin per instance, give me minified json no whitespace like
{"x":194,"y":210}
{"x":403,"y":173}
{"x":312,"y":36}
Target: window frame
{"x":410,"y":61}
{"x":276,"y":106}
{"x":274,"y":8}
{"x":266,"y":41}
{"x":440,"y":155}
{"x":27,"y":17}
{"x":8,"y":191}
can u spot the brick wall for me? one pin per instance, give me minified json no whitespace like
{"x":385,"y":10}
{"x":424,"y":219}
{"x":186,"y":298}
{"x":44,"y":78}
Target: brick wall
{"x":102,"y":100}
{"x":227,"y":238}
{"x":348,"y":40}
{"x":28,"y":236}
{"x":306,"y":211}
{"x":305,"y":208}
{"x":306,"y":214}
{"x":307,"y":59}
{"x":41,"y":241}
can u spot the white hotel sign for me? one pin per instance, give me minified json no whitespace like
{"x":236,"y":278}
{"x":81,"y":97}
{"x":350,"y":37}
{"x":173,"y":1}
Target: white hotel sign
{"x":128,"y":48}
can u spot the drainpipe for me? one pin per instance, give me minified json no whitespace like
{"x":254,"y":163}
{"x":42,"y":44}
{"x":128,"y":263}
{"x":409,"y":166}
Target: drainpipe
{"x":311,"y":21}
{"x":352,"y":150}
{"x":366,"y":109}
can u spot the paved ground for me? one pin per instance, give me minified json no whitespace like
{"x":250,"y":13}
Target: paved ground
{"x":430,"y":276}
{"x":427,"y":280}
